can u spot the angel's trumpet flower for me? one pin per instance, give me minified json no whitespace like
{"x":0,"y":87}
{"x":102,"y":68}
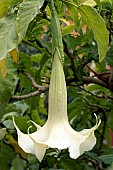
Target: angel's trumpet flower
{"x":57,"y":132}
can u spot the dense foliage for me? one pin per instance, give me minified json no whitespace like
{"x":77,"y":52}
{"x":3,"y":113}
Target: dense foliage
{"x":25,"y":68}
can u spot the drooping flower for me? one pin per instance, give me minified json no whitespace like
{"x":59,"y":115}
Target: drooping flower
{"x":57,"y":132}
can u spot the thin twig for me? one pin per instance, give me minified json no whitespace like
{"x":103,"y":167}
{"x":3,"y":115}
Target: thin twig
{"x":34,"y":84}
{"x":41,"y":90}
{"x":100,"y":96}
{"x":91,"y":93}
{"x":95,"y":105}
{"x":88,"y":80}
{"x":71,"y":59}
{"x":95,"y":81}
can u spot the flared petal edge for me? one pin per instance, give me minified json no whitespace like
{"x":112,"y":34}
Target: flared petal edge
{"x":24,"y":141}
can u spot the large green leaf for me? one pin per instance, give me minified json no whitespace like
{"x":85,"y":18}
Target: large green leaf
{"x":70,"y":164}
{"x":2,"y":133}
{"x":26,"y":13}
{"x":4,"y":4}
{"x":6,"y":156}
{"x":18,"y":163}
{"x":108,"y":159}
{"x":8,"y":36}
{"x":15,"y":2}
{"x":21,"y":106}
{"x":97,"y":24}
{"x":72,"y":10}
{"x":7,"y":83}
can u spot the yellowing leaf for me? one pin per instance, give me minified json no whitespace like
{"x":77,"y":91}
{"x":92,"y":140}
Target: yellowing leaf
{"x":3,"y":68}
{"x":16,"y":147}
{"x":65,"y":21}
{"x":14,"y":55}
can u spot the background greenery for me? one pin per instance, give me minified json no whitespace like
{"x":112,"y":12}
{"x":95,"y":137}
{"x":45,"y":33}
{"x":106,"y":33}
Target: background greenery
{"x":25,"y":53}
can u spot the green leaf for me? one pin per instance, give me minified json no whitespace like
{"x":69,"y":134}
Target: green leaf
{"x":87,"y":2}
{"x":22,"y":123}
{"x":99,"y":4}
{"x":15,"y":3}
{"x":71,"y":41}
{"x":33,"y":163}
{"x":26,"y":13}
{"x":9,"y":115}
{"x":7,"y":83}
{"x":21,"y":106}
{"x":97,"y":24}
{"x":6,"y":156}
{"x":108,"y":159}
{"x":92,"y":155}
{"x":4,"y":4}
{"x":8,"y":37}
{"x":70,"y":164}
{"x":18,"y":164}
{"x":72,"y":10}
{"x":36,"y":58}
{"x":8,"y":124}
{"x":2,"y":133}
{"x":66,"y":30}
{"x":36,"y":118}
{"x":33,"y":167}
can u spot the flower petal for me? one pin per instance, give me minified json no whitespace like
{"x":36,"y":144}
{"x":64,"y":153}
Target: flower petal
{"x":40,"y":148}
{"x":88,"y":144}
{"x":24,"y":141}
{"x":90,"y":140}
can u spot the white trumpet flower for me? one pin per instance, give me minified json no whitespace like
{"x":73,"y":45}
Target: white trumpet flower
{"x":57,"y":132}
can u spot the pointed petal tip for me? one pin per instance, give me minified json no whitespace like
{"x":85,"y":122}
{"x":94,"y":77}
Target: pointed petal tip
{"x":40,"y":150}
{"x":40,"y":158}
